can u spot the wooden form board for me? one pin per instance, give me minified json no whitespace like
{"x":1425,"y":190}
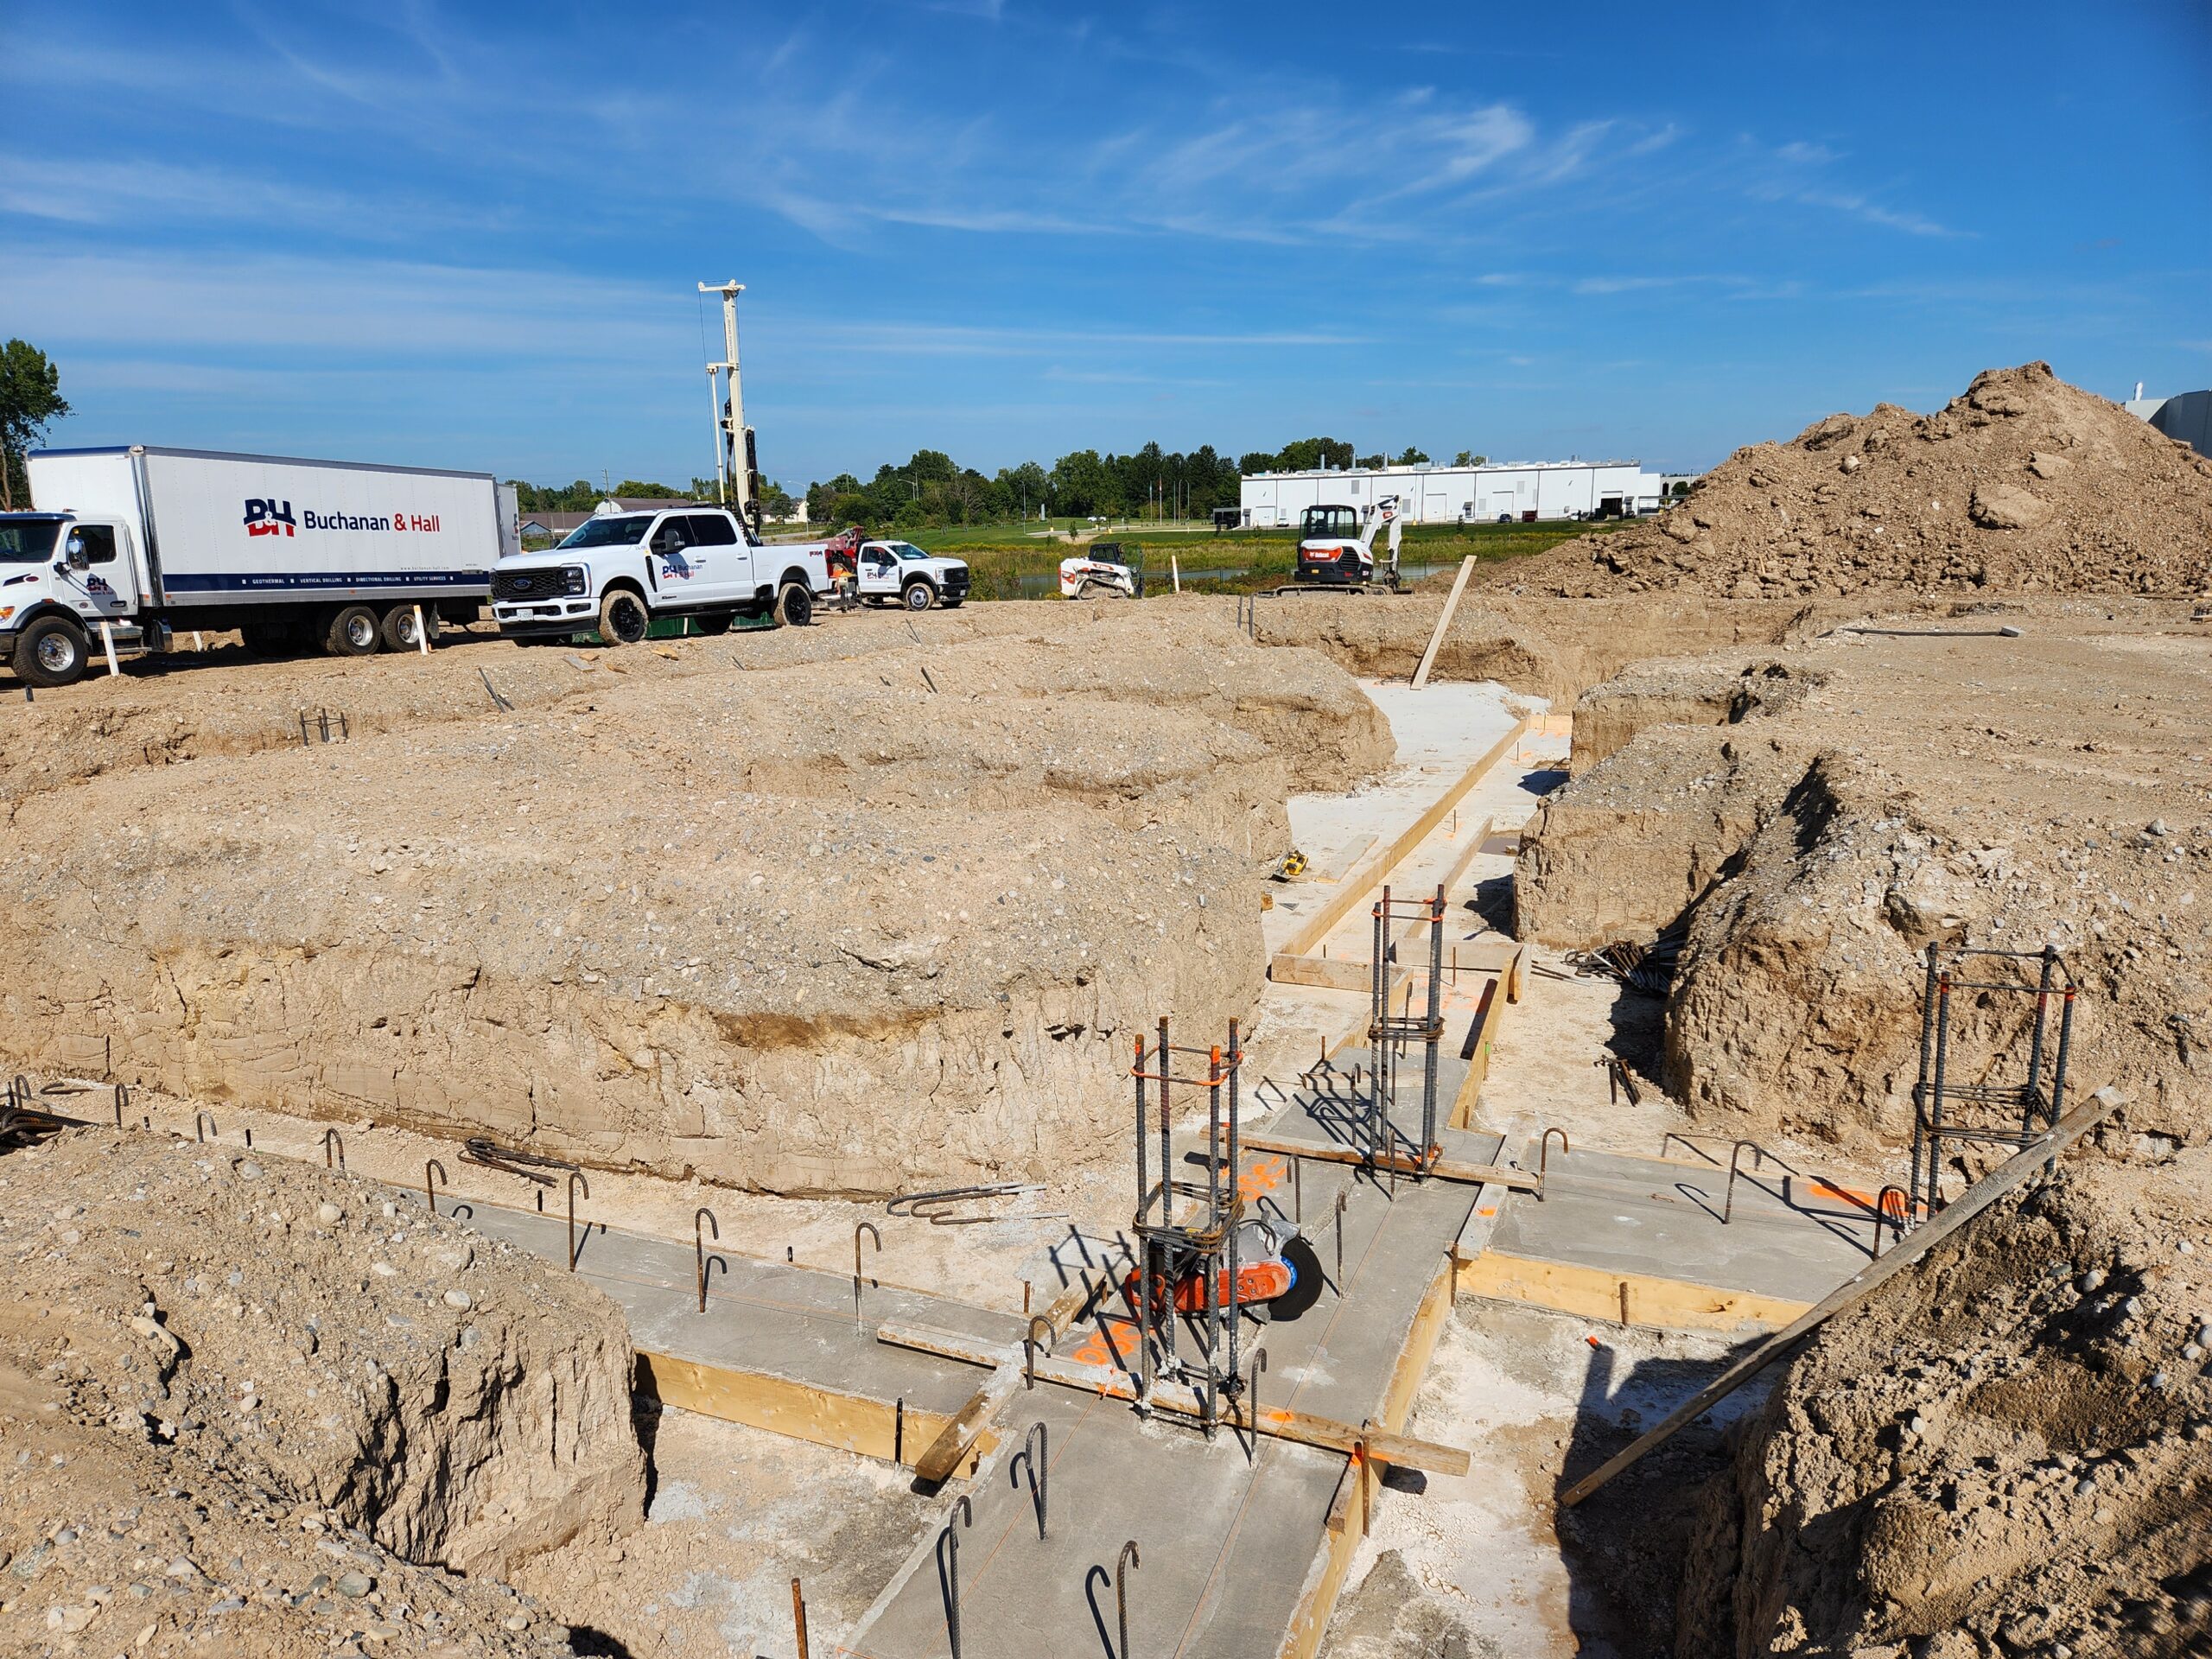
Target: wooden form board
{"x":1444,"y":621}
{"x":1443,"y":1169}
{"x":1308,"y":940}
{"x":1351,"y":1512}
{"x":1356,"y":973}
{"x":1482,"y":1037}
{"x":1111,"y":1382}
{"x":1622,"y":1298}
{"x":847,"y":1421}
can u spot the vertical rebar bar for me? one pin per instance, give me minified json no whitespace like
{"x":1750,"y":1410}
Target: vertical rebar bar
{"x":1230,"y":1176}
{"x":1208,"y":1286}
{"x":1435,"y":1025}
{"x":798,"y":1617}
{"x":2034,"y":1039}
{"x":1920,"y":1138}
{"x":1943,"y":1062}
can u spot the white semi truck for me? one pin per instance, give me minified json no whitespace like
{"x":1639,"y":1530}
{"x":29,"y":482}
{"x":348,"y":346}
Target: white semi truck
{"x":127,"y":546}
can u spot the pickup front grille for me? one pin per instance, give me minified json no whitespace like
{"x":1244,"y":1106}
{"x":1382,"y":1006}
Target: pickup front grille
{"x":955,"y":583}
{"x":524,"y":586}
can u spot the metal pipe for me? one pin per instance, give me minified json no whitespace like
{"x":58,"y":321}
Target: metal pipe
{"x":1130,"y":1561}
{"x":430,"y":1193}
{"x":1544,"y":1156}
{"x":699,"y":1250}
{"x":333,"y":1141}
{"x":1029,"y":1349}
{"x":198,"y":1118}
{"x":1728,"y":1207}
{"x":576,"y":1179}
{"x":1034,"y":1454}
{"x":947,"y":1559}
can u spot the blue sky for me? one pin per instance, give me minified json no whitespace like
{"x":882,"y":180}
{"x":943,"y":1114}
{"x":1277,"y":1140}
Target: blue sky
{"x":470,"y":237}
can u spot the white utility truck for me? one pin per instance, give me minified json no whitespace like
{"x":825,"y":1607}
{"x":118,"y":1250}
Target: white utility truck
{"x":126,"y":546}
{"x":898,"y":573}
{"x":618,"y":572}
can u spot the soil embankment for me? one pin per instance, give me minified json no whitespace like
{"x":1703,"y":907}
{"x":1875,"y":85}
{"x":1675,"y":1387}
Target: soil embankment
{"x":2022,"y":483}
{"x":874,"y":919}
{"x":284,"y":1404}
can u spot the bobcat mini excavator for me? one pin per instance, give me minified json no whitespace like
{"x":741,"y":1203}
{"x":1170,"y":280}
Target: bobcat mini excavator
{"x":1337,"y":550}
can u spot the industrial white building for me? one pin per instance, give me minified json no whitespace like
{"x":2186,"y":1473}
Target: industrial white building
{"x":1519,"y":491}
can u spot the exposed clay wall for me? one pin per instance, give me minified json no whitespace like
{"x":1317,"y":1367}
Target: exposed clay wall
{"x":822,"y":928}
{"x":462,"y":1404}
{"x":2008,"y":1451}
{"x":1882,"y":795}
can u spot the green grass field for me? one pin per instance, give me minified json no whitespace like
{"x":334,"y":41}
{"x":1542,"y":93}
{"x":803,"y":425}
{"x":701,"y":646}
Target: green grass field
{"x":1009,"y":562}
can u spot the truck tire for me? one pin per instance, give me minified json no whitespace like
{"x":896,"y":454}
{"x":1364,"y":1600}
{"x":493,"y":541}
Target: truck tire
{"x":918,"y":596}
{"x":794,"y":605}
{"x":353,"y":631}
{"x":51,"y":652}
{"x":623,"y":618}
{"x":398,"y":629}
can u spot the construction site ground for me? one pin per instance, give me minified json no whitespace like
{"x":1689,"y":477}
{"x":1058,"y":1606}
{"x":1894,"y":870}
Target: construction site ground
{"x":1701,"y":796}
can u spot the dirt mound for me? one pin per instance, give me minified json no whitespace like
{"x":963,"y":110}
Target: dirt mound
{"x":1840,"y":804}
{"x":283,"y":1400}
{"x":2008,"y":1451}
{"x":840,"y":926}
{"x":2022,"y":483}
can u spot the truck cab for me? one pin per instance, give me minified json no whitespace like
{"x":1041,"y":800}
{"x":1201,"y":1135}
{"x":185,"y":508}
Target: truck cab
{"x":619,"y":572}
{"x":61,"y":579}
{"x":900,"y":573}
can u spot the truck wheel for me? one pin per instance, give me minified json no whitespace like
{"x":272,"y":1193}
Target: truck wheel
{"x":919,"y":596}
{"x":399,"y":627}
{"x":51,"y":652}
{"x":623,"y":618}
{"x":794,"y":606}
{"x":352,"y":631}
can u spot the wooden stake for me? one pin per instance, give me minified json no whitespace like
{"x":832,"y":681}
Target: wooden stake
{"x":1443,"y":622}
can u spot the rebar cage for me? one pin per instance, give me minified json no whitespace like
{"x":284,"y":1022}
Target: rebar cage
{"x":1188,"y":1228}
{"x":1389,"y":1033}
{"x":1996,"y":1111}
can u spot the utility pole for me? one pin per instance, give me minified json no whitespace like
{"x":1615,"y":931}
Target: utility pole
{"x":735,"y":476}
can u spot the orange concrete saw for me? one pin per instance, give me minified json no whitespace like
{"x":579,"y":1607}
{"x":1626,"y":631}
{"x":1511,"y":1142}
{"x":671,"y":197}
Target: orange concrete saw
{"x":1278,"y":1277}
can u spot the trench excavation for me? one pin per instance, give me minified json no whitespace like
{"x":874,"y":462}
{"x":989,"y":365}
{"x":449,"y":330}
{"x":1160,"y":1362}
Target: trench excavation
{"x":1698,"y":1149}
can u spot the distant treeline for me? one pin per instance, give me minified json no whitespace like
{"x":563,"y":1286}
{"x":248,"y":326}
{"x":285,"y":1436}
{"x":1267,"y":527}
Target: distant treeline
{"x":930,"y":489}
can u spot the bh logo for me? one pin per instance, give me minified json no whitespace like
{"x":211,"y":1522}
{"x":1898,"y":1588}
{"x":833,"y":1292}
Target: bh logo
{"x":268,"y":517}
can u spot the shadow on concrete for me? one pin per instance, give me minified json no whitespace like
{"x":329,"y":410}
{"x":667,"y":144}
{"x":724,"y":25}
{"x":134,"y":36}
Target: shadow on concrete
{"x":1625,"y":1547}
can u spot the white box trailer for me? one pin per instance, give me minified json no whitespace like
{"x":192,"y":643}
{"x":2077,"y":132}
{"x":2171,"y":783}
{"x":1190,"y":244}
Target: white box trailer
{"x":126,"y":546}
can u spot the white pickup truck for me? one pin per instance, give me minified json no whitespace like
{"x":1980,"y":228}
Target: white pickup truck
{"x":619,"y":572}
{"x":898,"y":573}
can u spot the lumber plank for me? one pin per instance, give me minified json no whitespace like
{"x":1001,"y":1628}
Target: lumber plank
{"x":942,"y":1455}
{"x":1444,"y":1169}
{"x":800,"y":1411}
{"x":1357,"y":886}
{"x":1354,"y":973}
{"x":1444,"y":621}
{"x":2013,"y":1174}
{"x":1596,"y":1294}
{"x":1111,"y":1382}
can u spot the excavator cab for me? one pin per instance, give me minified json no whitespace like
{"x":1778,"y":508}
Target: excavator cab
{"x":1329,"y":549}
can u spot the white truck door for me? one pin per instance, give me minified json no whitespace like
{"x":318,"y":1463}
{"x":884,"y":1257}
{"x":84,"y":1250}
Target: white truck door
{"x":673,"y":563}
{"x":94,"y":573}
{"x":878,"y":572}
{"x":721,"y":563}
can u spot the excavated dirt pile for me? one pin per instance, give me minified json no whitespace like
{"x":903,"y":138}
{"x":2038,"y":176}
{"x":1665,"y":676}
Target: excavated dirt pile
{"x":2022,"y":483}
{"x":2008,"y":1454}
{"x":872,"y":918}
{"x":250,"y":1406}
{"x":1840,"y":806}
